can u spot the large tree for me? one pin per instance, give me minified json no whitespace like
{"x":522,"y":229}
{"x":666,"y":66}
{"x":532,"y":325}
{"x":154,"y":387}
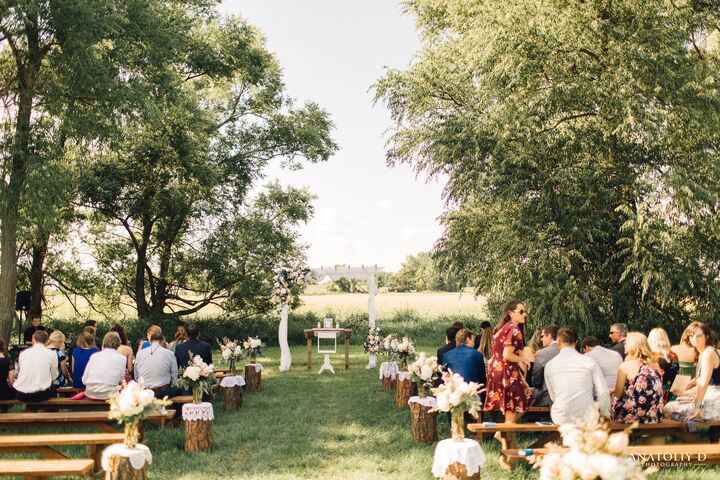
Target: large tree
{"x":580,"y":143}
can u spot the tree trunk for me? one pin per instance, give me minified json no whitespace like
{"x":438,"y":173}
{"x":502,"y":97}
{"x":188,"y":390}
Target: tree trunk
{"x":198,"y":435}
{"x":233,"y":398}
{"x":37,"y":274}
{"x":252,"y":377}
{"x":403,"y":393}
{"x":424,"y":424}
{"x":121,"y":469}
{"x":388,"y":383}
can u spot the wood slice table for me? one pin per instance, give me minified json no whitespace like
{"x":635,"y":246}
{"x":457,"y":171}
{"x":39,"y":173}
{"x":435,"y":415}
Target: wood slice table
{"x":424,"y":422}
{"x":403,"y":390}
{"x":311,"y":333}
{"x":124,"y":463}
{"x":388,"y":375}
{"x":198,"y":426}
{"x":458,"y":460}
{"x":232,"y":386}
{"x":253,"y":376}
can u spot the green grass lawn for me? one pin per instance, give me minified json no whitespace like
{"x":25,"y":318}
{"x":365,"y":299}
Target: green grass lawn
{"x":301,"y":425}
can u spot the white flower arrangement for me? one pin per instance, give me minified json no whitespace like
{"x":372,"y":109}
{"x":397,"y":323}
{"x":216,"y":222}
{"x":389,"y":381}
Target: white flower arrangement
{"x":231,"y":351}
{"x":134,"y":402}
{"x":389,"y":344}
{"x":590,"y":452}
{"x":373,"y":342}
{"x":457,"y":395}
{"x":423,"y":371}
{"x":253,"y":348}
{"x":404,"y":350}
{"x":197,"y":376}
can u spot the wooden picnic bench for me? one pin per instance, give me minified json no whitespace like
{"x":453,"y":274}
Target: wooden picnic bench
{"x":84,"y":404}
{"x":98,"y":420}
{"x":696,"y":454}
{"x":44,"y":443}
{"x":47,"y":468}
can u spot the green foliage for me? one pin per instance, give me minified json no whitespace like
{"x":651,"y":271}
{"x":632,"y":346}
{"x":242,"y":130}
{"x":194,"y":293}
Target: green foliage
{"x":580,"y":147}
{"x":423,"y":273}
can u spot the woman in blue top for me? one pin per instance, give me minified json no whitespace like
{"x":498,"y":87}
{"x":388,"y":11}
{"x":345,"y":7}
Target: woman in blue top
{"x":81,"y":354}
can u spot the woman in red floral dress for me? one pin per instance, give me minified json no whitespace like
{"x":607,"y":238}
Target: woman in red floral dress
{"x":506,"y":387}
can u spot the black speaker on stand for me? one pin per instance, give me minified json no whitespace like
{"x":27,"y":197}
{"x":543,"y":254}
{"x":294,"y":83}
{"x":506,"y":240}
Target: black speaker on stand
{"x":22,"y":304}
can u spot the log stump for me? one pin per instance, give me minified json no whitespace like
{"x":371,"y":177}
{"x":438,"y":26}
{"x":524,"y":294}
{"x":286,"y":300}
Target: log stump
{"x":119,"y":468}
{"x":233,"y":397}
{"x":198,"y":435}
{"x":403,"y":393}
{"x":457,"y":471}
{"x":388,"y":383}
{"x":424,"y":423}
{"x":252,"y":377}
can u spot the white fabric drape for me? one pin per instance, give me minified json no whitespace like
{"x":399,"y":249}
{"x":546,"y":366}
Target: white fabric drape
{"x":372,"y":291}
{"x":285,"y":356}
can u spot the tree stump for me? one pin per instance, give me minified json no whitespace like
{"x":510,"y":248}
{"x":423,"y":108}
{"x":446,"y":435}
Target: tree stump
{"x":252,"y":377}
{"x":424,"y":424}
{"x":403,"y":392}
{"x":119,"y":468}
{"x":388,"y":383}
{"x":233,"y":398}
{"x":198,"y":435}
{"x":457,"y":471}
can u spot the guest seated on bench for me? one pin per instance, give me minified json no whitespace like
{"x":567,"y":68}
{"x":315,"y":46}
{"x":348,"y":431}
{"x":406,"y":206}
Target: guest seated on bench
{"x":574,"y":382}
{"x":639,"y":385}
{"x":125,"y":350}
{"x":7,"y":375}
{"x":86,"y":347}
{"x":105,"y":370}
{"x":38,"y":367}
{"x":57,"y":345}
{"x":466,"y":361}
{"x":156,"y":367}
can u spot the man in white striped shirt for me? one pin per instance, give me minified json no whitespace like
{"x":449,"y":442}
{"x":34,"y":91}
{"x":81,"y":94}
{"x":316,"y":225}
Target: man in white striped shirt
{"x":574,"y":382}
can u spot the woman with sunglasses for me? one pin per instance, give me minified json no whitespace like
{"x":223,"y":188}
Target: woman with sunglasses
{"x":686,"y":353}
{"x":702,"y":398}
{"x":507,"y":389}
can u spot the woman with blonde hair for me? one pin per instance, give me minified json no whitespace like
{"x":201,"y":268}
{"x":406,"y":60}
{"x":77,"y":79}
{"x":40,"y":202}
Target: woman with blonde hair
{"x":666,"y":359}
{"x":56,"y":343}
{"x":639,"y":387}
{"x":686,"y":353}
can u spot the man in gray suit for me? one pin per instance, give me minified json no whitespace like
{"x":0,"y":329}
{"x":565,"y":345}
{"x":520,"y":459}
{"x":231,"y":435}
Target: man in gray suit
{"x":618,"y":332}
{"x":542,"y":357}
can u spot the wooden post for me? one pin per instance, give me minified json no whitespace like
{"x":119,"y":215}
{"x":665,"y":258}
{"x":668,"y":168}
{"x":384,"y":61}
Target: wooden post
{"x":309,"y":337}
{"x":121,"y":469}
{"x":457,"y":471}
{"x":233,"y":398}
{"x":252,"y":377}
{"x":424,"y":424}
{"x":198,"y":435}
{"x":347,"y":350}
{"x":403,"y":392}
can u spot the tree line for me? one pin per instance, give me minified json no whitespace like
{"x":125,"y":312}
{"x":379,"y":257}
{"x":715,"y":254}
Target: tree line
{"x":132,"y":135}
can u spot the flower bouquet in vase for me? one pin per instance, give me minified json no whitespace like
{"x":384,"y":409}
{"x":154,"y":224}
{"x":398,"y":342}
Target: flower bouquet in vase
{"x":132,"y":404}
{"x":253,"y":348}
{"x":457,"y":396}
{"x":424,"y":371}
{"x":589,"y":451}
{"x":372,"y":346}
{"x":404,"y":351}
{"x":198,"y":376}
{"x":231,"y":352}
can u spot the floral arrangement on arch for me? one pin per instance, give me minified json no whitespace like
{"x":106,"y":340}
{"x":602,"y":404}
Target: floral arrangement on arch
{"x":589,"y":451}
{"x":283,"y":281}
{"x":132,"y":404}
{"x":457,"y":396}
{"x":373,"y":342}
{"x":253,"y":348}
{"x":231,"y":352}
{"x":424,"y":371}
{"x":197,"y":376}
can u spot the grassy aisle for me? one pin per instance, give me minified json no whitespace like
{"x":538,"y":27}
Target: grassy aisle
{"x":301,"y":425}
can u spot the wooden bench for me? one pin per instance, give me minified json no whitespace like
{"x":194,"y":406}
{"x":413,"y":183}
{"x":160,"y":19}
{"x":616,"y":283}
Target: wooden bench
{"x":47,"y":468}
{"x":696,"y":454}
{"x":57,"y":403}
{"x":44,"y":443}
{"x":98,"y":420}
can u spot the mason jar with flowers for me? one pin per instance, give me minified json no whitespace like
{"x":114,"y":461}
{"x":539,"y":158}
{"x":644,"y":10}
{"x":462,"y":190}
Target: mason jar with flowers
{"x":131,"y":405}
{"x":198,"y":376}
{"x":457,"y":396}
{"x":253,"y":348}
{"x":424,"y":371}
{"x":231,"y":351}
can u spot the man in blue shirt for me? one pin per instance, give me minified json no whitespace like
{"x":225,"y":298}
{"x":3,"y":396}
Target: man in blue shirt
{"x":465,"y":360}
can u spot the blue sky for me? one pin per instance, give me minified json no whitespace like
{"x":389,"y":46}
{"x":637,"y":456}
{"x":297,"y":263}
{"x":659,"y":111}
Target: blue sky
{"x":331,"y":52}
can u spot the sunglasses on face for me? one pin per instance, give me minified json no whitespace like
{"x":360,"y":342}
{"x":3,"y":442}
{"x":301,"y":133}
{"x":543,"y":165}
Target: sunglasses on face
{"x":698,"y":335}
{"x":520,"y":312}
{"x":614,"y":333}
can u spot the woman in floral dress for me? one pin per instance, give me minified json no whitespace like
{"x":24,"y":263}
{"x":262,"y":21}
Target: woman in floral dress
{"x":639,"y":386}
{"x":507,"y":390}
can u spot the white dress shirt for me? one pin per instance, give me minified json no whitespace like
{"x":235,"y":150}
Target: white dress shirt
{"x":574,"y":382}
{"x":609,"y":362}
{"x":103,"y":373}
{"x":156,"y":366}
{"x":38,"y":367}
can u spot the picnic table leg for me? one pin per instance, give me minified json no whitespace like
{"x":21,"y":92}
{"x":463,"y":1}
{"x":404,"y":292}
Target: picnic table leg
{"x":309,"y":352}
{"x":508,"y":441}
{"x":347,"y":351}
{"x":95,"y":454}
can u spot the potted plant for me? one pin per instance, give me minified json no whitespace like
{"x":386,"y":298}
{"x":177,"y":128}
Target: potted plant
{"x":372,"y":346}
